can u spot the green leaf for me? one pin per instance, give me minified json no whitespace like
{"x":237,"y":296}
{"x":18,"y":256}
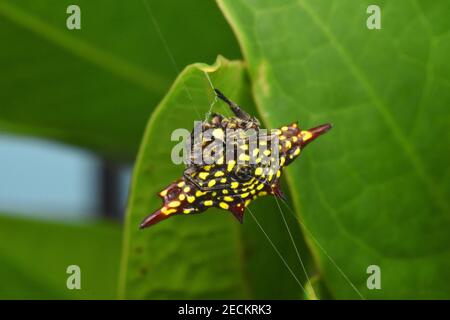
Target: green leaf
{"x":375,"y":189}
{"x":35,"y":255}
{"x":209,"y":255}
{"x":96,"y":87}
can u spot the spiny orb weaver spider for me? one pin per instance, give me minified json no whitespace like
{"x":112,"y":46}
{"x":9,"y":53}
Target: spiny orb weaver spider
{"x":232,"y":184}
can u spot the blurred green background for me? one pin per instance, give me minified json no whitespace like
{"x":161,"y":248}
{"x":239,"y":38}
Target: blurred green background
{"x":85,"y":123}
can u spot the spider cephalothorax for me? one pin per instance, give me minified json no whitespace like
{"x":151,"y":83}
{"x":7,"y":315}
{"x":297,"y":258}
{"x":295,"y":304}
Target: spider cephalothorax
{"x":239,"y":163}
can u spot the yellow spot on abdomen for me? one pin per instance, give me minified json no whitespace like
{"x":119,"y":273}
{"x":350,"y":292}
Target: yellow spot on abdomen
{"x":203,"y":175}
{"x":208,"y":203}
{"x":244,"y":157}
{"x":306,"y":135}
{"x":174,"y":204}
{"x":224,"y":205}
{"x":218,"y":133}
{"x":231,"y":165}
{"x":243,"y":147}
{"x":199,"y":193}
{"x":211,"y":183}
{"x":168,"y":211}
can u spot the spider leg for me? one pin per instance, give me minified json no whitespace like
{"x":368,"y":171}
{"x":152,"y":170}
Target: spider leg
{"x":237,"y":110}
{"x":221,"y":187}
{"x":188,"y":177}
{"x":204,"y":189}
